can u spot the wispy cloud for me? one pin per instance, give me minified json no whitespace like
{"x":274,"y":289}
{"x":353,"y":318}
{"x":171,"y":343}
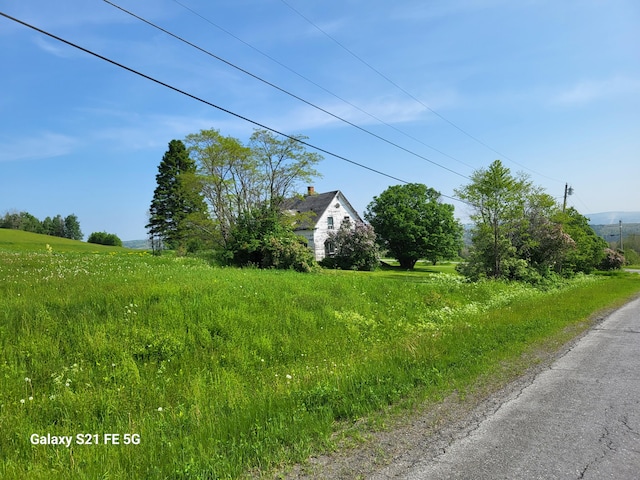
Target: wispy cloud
{"x":387,"y":111}
{"x":588,"y":91}
{"x":45,"y":145}
{"x":57,"y":49}
{"x":392,"y":110}
{"x":421,"y":11}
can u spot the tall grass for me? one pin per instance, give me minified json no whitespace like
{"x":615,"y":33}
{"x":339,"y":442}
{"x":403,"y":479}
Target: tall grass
{"x":222,"y":371}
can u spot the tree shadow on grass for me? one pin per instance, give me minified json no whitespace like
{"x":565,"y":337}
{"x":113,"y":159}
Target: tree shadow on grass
{"x":391,"y":269}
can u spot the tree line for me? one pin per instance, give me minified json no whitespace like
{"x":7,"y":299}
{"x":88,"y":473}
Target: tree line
{"x":67,"y":227}
{"x":521,"y":233}
{"x":216,"y":192}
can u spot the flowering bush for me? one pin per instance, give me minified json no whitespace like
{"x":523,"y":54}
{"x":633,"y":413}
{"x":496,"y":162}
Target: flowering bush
{"x":355,"y":248}
{"x":613,"y":260}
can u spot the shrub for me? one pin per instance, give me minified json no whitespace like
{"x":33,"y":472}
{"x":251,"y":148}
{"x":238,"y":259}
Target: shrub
{"x":613,"y":260}
{"x":286,"y":252}
{"x":264,"y":238}
{"x":104,"y":238}
{"x":632,"y":257}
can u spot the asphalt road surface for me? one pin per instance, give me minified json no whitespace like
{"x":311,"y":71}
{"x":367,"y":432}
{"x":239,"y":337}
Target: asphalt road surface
{"x":579,"y":419}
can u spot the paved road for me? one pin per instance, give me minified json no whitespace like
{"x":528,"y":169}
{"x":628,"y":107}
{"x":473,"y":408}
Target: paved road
{"x":579,"y":419}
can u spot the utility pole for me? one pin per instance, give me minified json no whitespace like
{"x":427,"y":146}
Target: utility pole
{"x":567,"y":191}
{"x":620,"y":225}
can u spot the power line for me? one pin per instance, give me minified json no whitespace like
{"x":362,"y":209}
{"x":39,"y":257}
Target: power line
{"x":266,"y":82}
{"x":389,"y":80}
{"x":307,"y":79}
{"x":194,"y":97}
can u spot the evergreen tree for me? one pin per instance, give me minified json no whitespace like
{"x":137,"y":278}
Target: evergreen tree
{"x":72,"y":228}
{"x":175,"y":199}
{"x":56,"y":227}
{"x":47,"y":226}
{"x":29,"y":223}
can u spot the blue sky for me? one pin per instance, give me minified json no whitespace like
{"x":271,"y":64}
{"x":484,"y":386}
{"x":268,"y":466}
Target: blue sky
{"x":552,"y":88}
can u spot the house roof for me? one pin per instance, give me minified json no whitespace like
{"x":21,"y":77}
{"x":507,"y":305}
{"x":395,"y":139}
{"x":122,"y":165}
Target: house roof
{"x":316,"y":203}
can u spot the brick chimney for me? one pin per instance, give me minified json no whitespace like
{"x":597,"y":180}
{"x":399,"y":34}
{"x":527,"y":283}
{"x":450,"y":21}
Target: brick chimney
{"x":311,"y":191}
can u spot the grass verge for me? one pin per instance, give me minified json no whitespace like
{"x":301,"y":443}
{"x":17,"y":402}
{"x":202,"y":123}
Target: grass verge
{"x":220,"y":372}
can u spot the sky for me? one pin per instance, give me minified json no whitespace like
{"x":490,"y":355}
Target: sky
{"x":436,"y":90}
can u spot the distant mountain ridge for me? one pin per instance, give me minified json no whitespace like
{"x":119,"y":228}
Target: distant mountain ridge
{"x":609,"y":218}
{"x":137,"y":244}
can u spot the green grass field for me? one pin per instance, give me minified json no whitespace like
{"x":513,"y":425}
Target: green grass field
{"x":19,"y":241}
{"x":219,"y":373}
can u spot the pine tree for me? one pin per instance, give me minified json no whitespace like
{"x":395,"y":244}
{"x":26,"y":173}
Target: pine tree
{"x":175,"y":199}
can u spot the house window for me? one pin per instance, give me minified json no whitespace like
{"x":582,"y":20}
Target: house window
{"x":329,"y":248}
{"x":330,"y":223}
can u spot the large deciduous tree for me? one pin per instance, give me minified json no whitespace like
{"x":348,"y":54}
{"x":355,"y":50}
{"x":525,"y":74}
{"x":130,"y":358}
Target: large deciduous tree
{"x":175,"y":199}
{"x":412,"y":224}
{"x":283,"y":163}
{"x":227,"y":174}
{"x":498,"y":200}
{"x":242,"y":181}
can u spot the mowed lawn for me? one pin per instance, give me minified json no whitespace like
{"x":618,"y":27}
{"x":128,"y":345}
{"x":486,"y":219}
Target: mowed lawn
{"x":163,"y":367}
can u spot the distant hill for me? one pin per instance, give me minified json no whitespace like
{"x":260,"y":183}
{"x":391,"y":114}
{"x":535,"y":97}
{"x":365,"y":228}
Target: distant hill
{"x":609,"y":218}
{"x":611,"y":233}
{"x":137,"y":244}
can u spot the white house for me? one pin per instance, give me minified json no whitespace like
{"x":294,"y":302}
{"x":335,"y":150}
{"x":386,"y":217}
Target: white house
{"x":326,"y":212}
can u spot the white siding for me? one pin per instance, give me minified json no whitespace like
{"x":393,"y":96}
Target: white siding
{"x":338,"y":209}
